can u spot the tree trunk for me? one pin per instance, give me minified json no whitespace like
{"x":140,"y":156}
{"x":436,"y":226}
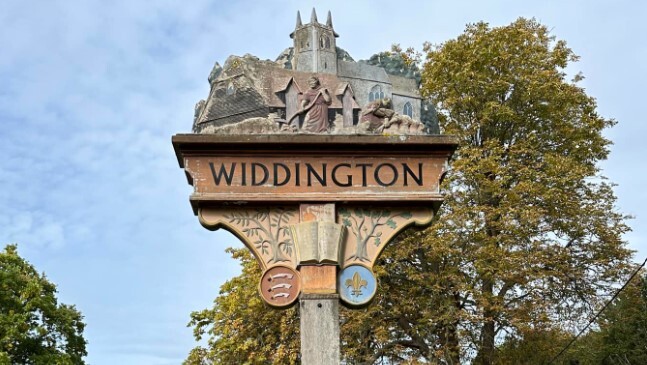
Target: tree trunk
{"x":448,"y":337}
{"x":453,"y":344}
{"x":486,"y":352}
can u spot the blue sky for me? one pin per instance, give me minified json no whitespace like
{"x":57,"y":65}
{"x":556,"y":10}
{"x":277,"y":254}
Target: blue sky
{"x":91,"y":92}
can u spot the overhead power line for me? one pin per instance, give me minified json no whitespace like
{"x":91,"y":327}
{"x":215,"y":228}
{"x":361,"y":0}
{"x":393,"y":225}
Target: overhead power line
{"x":599,"y":312}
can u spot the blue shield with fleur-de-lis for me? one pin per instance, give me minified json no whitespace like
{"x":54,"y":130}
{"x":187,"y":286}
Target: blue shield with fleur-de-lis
{"x":357,"y":285}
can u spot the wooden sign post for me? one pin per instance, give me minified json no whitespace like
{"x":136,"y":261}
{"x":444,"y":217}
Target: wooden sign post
{"x":316,"y":210}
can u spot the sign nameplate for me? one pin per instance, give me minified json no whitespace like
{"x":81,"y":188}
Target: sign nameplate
{"x":331,"y":170}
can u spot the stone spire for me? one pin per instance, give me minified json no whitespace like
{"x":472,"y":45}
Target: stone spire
{"x":314,"y":47}
{"x":298,"y":20}
{"x":313,"y":17}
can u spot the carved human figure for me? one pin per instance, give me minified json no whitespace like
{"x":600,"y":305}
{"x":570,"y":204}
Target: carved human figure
{"x":377,"y":113}
{"x":315,"y":103}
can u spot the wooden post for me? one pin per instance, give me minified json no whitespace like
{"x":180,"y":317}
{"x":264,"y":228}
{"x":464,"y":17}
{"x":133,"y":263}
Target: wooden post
{"x":319,"y":301}
{"x":319,"y":329}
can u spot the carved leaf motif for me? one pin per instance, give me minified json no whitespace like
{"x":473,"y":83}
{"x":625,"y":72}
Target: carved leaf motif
{"x":287,"y":248}
{"x":270,"y":229}
{"x":365,"y":225}
{"x":262,"y":216}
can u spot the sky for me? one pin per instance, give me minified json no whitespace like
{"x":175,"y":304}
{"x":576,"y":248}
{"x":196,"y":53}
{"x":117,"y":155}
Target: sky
{"x":92,"y":91}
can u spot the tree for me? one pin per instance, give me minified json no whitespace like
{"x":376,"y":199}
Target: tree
{"x":528,"y":240}
{"x":534,"y":347}
{"x":623,"y":326}
{"x":34,"y":327}
{"x":241,"y":328}
{"x":531,"y":222}
{"x":620,"y":337}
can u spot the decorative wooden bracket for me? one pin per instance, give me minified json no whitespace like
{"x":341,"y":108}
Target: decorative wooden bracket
{"x":276,"y":235}
{"x":264,"y":230}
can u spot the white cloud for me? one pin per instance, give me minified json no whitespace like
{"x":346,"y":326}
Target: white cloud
{"x":32,"y":230}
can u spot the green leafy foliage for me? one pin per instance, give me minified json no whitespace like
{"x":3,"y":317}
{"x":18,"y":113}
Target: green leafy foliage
{"x":622,"y":334}
{"x":620,"y":337}
{"x":34,"y":327}
{"x":241,"y":328}
{"x":534,"y":347}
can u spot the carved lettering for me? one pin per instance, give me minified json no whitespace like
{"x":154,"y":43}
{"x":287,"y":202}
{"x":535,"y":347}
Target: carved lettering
{"x":379,"y":180}
{"x":313,"y":172}
{"x":286,"y":172}
{"x":349,"y":178}
{"x":364,"y":166}
{"x":317,"y":175}
{"x":217,"y":176}
{"x":408,"y":172}
{"x":244,"y":174}
{"x":297,"y":175}
{"x":266,"y":174}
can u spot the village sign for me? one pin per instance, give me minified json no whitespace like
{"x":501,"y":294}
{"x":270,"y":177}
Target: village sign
{"x":315,"y":162}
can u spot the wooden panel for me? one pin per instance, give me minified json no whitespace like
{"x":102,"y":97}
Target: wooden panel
{"x":317,"y":212}
{"x":318,"y":279}
{"x":321,"y":178}
{"x":235,"y":169}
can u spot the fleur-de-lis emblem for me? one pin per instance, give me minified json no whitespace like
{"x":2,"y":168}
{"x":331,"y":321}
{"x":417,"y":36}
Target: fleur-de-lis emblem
{"x":356,"y":283}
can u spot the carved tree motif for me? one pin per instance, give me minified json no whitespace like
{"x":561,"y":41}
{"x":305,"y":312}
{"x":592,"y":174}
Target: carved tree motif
{"x":364,"y":223}
{"x":269,"y":231}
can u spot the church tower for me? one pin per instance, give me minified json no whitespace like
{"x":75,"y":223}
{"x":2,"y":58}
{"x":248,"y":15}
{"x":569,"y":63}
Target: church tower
{"x":315,"y":46}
